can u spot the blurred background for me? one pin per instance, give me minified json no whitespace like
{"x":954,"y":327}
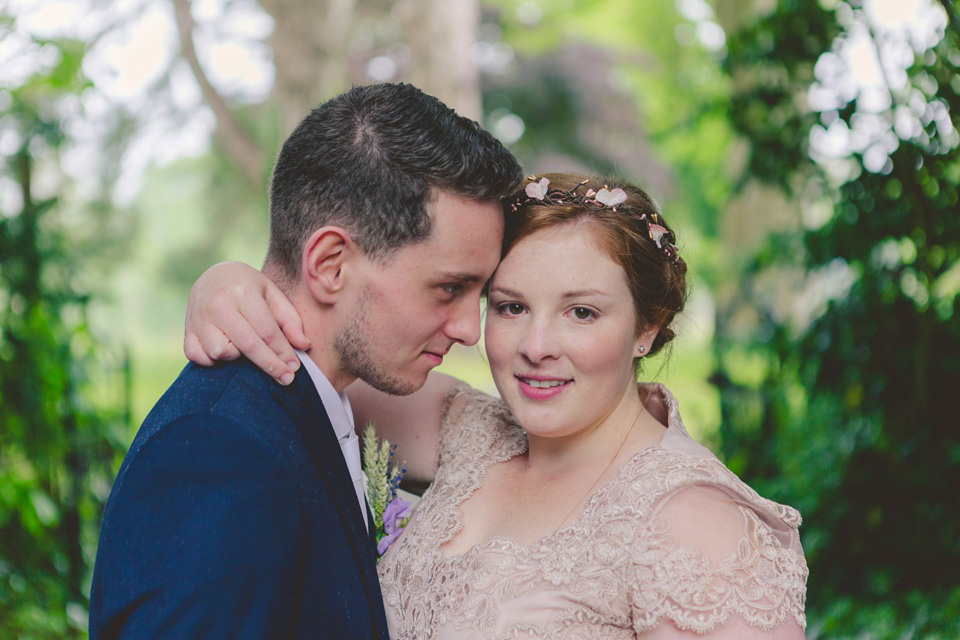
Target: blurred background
{"x":807,"y":152}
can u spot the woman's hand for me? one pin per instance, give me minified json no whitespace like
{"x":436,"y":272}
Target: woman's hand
{"x":234,"y":309}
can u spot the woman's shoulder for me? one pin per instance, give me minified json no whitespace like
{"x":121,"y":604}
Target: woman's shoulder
{"x":684,"y":465}
{"x":714,"y":536}
{"x":463,"y":402}
{"x":473,"y":422}
{"x":704,"y":529}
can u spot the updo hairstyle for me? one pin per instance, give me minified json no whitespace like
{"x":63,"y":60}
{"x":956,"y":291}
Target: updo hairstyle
{"x":657,"y":280}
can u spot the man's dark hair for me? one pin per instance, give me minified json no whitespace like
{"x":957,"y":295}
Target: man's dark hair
{"x":368,"y":160}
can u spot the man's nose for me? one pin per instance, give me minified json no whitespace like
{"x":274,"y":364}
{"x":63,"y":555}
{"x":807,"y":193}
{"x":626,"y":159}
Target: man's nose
{"x":464,"y":323}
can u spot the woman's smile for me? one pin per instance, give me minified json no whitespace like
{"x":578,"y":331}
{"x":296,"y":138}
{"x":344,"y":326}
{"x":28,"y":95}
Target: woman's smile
{"x":542,"y":388}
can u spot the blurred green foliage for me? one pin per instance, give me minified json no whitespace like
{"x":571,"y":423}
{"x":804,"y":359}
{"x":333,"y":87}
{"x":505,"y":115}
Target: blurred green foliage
{"x":840,"y":410}
{"x":57,"y":445}
{"x":850,"y":418}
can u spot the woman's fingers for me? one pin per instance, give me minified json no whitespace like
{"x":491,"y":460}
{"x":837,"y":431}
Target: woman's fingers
{"x":258,"y":335}
{"x":245,"y":335}
{"x":215,"y":344}
{"x":234,"y":309}
{"x":287,"y":318}
{"x":194,"y":351}
{"x":210,"y":343}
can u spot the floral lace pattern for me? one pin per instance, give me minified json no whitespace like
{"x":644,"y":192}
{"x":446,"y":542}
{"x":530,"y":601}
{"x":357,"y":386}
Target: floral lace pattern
{"x":630,"y":562}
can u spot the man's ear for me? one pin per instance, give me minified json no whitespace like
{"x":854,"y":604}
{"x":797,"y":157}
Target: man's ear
{"x":325,"y":257}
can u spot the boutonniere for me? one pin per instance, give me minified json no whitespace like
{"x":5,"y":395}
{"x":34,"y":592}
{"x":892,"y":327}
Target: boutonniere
{"x":390,"y":513}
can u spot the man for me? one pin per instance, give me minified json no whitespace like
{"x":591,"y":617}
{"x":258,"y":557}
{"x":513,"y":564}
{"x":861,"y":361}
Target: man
{"x":238,"y":511}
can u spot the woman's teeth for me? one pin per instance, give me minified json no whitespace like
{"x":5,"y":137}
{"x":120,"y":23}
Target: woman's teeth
{"x":543,"y":384}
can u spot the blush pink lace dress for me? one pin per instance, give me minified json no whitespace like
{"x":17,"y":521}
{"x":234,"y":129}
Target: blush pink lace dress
{"x":675,"y":539}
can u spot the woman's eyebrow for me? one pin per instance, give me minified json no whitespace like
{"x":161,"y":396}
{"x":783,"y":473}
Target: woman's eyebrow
{"x":584,"y":293}
{"x":581,"y":293}
{"x":507,"y":292}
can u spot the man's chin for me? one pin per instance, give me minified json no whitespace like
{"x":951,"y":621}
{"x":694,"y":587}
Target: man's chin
{"x":363,"y":367}
{"x":395,"y":386}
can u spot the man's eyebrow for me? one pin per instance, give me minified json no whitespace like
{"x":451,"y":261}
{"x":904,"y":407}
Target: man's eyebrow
{"x":457,"y":276}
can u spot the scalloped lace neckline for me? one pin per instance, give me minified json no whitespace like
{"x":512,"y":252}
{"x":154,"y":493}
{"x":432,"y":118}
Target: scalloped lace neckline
{"x":455,"y":511}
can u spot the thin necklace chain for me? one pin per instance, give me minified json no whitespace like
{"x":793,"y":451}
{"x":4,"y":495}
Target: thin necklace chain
{"x":602,"y":473}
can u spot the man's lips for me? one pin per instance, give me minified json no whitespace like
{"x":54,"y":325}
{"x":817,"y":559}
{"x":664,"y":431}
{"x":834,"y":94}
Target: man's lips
{"x":435,"y":356}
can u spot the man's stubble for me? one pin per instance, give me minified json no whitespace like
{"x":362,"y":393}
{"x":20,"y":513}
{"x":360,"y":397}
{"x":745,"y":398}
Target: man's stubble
{"x":354,"y":346}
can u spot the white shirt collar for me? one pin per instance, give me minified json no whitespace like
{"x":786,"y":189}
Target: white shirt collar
{"x":341,"y":418}
{"x":337,"y":404}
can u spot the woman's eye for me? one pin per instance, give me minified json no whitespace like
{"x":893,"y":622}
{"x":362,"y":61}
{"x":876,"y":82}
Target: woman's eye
{"x":583,"y":313}
{"x":511,"y":308}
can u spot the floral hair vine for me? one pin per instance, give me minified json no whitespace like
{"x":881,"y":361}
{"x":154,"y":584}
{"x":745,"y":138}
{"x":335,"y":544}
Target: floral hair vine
{"x":539,"y":191}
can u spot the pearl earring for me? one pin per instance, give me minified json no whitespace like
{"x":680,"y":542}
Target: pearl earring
{"x":641,"y":348}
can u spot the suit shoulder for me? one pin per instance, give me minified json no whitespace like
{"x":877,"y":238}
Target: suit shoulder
{"x":201,"y":443}
{"x":198,"y":389}
{"x":242,"y":416}
{"x":227,"y":393}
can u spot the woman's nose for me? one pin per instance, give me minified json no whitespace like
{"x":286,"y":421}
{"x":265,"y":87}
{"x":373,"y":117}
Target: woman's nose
{"x":539,"y":342}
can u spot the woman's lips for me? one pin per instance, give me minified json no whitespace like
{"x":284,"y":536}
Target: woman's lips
{"x":538,"y":388}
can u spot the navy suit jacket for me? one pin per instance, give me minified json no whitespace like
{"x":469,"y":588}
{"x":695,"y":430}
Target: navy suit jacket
{"x":233,"y":516}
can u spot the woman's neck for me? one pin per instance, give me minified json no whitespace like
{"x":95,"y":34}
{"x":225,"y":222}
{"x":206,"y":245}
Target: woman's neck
{"x":627,"y":427}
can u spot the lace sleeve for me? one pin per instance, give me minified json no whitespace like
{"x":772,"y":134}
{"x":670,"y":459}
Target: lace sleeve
{"x":715,"y":563}
{"x":465,"y":408}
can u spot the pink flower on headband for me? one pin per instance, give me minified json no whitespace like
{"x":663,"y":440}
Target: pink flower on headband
{"x":537,"y":190}
{"x":657,"y":232}
{"x":611,"y":198}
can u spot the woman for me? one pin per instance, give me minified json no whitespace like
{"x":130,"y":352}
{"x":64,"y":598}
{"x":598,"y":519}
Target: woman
{"x":577,"y":506}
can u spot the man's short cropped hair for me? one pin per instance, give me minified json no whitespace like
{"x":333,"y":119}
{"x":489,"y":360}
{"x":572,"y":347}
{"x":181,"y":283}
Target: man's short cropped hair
{"x":369,"y":160}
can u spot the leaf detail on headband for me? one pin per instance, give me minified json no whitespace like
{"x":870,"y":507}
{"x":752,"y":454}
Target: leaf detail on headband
{"x":656,"y":233}
{"x":611,"y":198}
{"x":538,"y":190}
{"x":539,"y":193}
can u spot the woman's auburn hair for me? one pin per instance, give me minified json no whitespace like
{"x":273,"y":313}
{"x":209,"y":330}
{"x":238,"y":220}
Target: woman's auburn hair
{"x":657,"y":284}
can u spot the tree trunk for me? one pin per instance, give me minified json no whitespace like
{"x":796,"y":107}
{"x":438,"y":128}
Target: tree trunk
{"x":312,"y":57}
{"x":235,"y":140}
{"x":441,"y":35}
{"x":310,"y":41}
{"x":311,"y":44}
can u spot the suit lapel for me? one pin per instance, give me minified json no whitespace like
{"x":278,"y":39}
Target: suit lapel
{"x":306,"y":409}
{"x":373,"y":529}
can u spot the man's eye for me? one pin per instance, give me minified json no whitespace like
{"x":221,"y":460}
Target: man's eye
{"x":583,"y":313}
{"x":452,"y":289}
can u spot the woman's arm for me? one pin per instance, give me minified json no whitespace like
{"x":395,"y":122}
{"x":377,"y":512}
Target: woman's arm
{"x":234,"y":309}
{"x":734,"y":629}
{"x":748,"y":565}
{"x":411,"y":422}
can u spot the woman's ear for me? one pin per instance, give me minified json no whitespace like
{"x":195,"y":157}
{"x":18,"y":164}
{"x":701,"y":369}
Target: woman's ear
{"x":644,"y":342}
{"x":325,"y":257}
